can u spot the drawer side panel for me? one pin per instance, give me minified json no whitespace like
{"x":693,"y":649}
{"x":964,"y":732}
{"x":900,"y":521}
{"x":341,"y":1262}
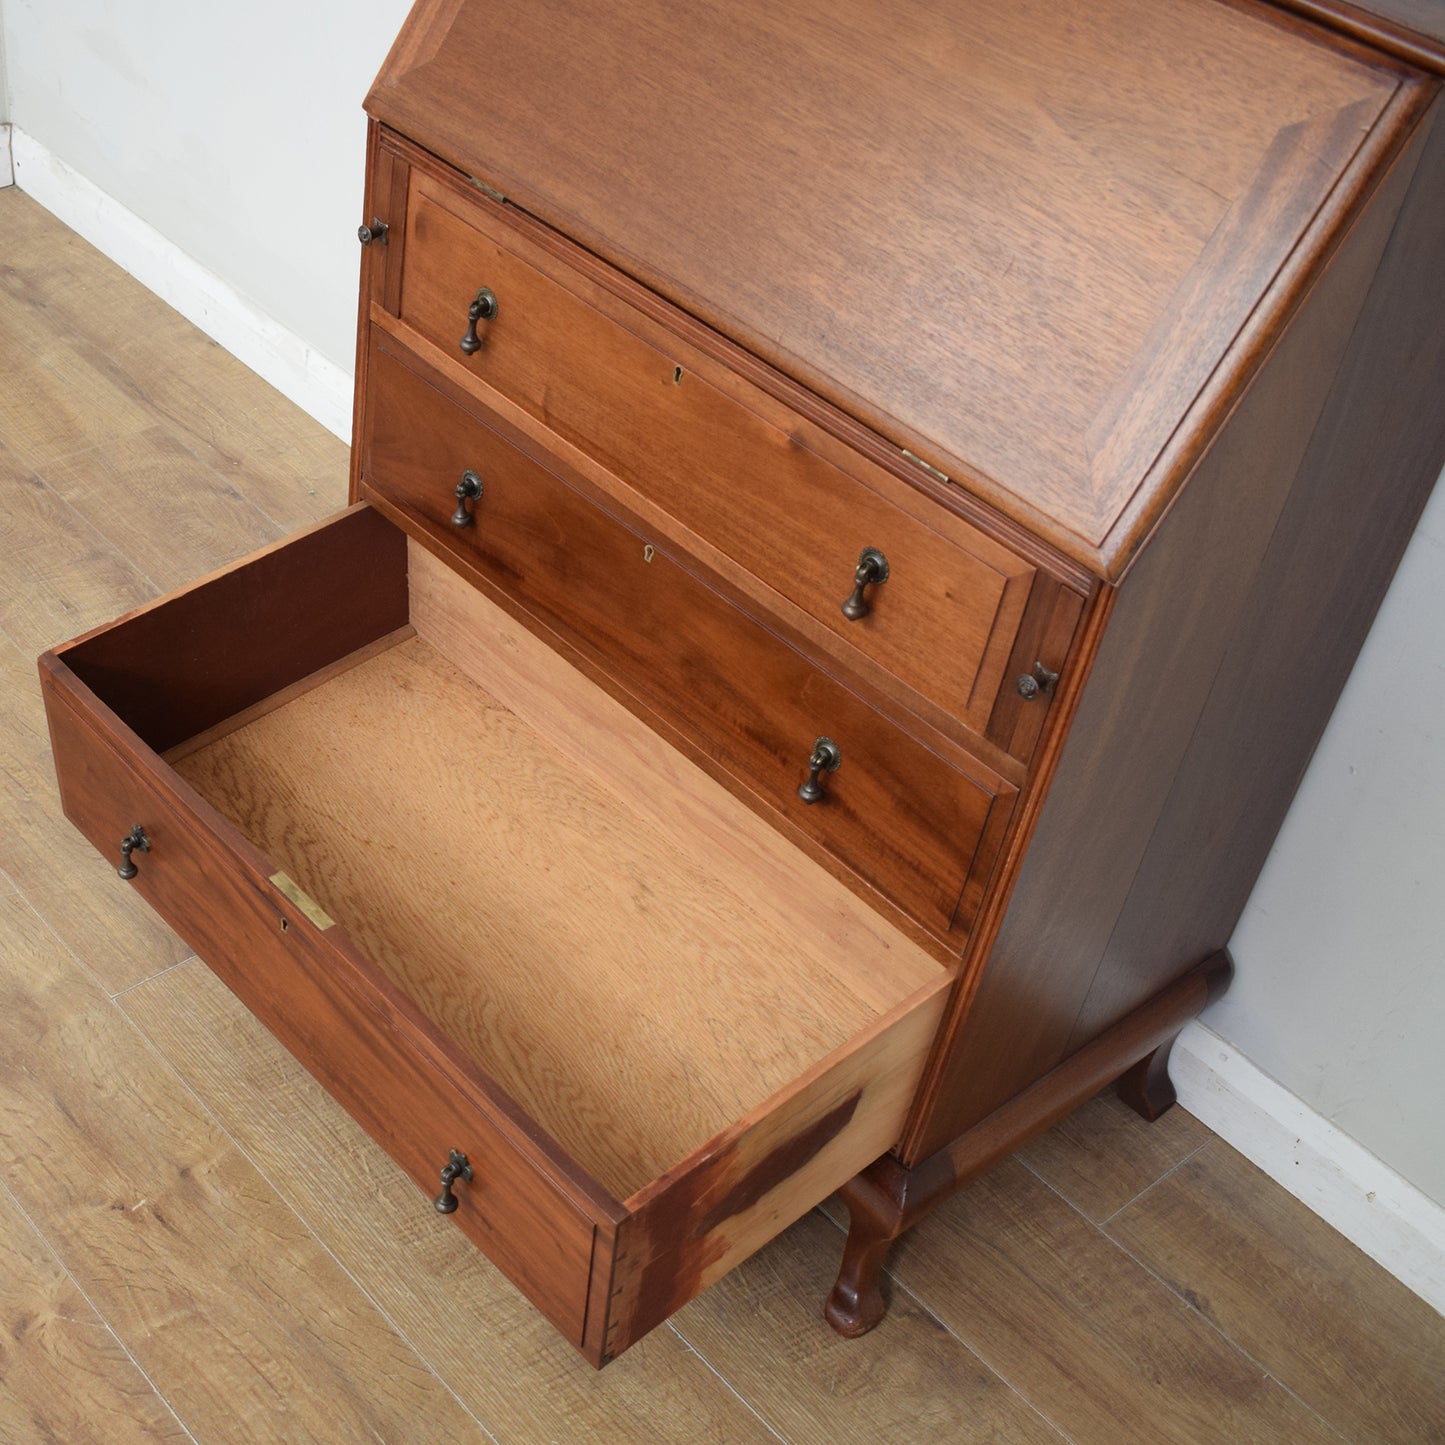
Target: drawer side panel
{"x":205,"y":653}
{"x":733,"y":1196}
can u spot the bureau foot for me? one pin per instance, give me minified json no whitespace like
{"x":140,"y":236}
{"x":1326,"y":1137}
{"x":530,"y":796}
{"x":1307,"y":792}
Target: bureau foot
{"x":1146,"y":1087}
{"x":888,"y":1198}
{"x":884,"y":1201}
{"x":856,"y":1302}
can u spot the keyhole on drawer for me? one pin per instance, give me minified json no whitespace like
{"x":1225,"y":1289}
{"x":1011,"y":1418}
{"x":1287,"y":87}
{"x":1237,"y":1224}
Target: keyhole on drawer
{"x":647,"y":552}
{"x":677,"y":376}
{"x":285,"y":924}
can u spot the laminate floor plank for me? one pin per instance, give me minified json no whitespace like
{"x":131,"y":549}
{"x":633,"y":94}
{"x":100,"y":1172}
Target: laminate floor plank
{"x":172,"y":516}
{"x":1085,"y":1334}
{"x":499,"y":1355}
{"x":63,"y":404}
{"x":911,"y":1379}
{"x":106,"y":924}
{"x":65,"y":297}
{"x":236,"y":424}
{"x":1317,"y":1313}
{"x":229,"y":1304}
{"x":50,"y":1334}
{"x":61,"y":576}
{"x":1104,"y":1154}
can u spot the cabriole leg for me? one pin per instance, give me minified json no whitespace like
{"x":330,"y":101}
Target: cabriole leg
{"x":856,"y":1302}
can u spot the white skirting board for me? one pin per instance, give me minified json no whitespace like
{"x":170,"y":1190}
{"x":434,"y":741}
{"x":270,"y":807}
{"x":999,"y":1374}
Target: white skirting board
{"x":7,"y":169}
{"x":318,"y":386}
{"x":1397,"y":1225}
{"x":1388,"y":1218}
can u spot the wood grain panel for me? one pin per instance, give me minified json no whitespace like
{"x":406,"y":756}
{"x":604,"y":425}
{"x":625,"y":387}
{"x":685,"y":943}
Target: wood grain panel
{"x":527,"y":886}
{"x":946,"y":620}
{"x":223,"y":1297}
{"x":688,"y":811}
{"x":919,"y":830}
{"x":1087,"y":1336}
{"x":1373,"y":459}
{"x":948,"y":176}
{"x":49,"y":1332}
{"x":500,"y":1357}
{"x":206,"y":652}
{"x":1349,"y":1341}
{"x":1169,"y":631}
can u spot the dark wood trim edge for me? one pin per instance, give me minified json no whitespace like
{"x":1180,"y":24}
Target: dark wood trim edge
{"x":1375,"y":30}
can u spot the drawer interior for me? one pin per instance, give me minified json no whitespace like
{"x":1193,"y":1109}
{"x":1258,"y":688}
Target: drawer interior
{"x":600,"y":928}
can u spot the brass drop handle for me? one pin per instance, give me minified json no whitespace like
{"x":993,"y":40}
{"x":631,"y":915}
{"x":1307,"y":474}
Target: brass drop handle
{"x":826,"y":757}
{"x":455,"y":1168}
{"x":136,"y":838}
{"x":484,"y":308}
{"x":469,"y":489}
{"x":872,"y":571}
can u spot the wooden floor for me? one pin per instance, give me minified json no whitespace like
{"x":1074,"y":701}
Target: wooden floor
{"x":195,"y":1243}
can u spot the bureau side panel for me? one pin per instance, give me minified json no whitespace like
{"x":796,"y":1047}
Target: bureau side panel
{"x":1360,"y":489}
{"x":1171,"y":628}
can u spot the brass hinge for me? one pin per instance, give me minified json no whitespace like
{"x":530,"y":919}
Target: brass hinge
{"x":487,"y":190}
{"x":919,"y":462}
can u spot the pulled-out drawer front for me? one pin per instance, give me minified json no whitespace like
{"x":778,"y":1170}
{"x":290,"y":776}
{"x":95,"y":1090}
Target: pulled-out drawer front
{"x":308,"y":987}
{"x":946,"y":618}
{"x":895,"y":813}
{"x":602,"y":1270}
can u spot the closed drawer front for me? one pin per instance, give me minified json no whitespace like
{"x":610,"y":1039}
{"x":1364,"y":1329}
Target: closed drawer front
{"x":944,"y":621}
{"x":894,"y":812}
{"x":800,"y":1065}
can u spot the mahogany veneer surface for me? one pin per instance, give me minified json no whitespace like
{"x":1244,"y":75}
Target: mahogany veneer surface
{"x":1082,"y":208}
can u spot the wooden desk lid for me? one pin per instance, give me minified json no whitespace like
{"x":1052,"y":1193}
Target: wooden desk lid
{"x":1038,"y":245}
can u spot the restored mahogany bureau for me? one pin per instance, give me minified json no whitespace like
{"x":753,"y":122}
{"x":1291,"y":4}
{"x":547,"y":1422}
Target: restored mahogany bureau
{"x":861,"y":513}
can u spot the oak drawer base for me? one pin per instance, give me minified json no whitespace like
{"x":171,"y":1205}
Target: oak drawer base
{"x":650,"y":1062}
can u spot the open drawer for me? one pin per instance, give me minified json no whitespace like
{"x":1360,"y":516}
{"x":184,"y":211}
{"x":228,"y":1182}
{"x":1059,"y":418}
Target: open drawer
{"x":495,"y":914}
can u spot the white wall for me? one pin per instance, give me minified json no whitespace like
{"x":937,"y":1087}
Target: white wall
{"x":236,"y":132}
{"x":1340,"y":990}
{"x":4,"y":73}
